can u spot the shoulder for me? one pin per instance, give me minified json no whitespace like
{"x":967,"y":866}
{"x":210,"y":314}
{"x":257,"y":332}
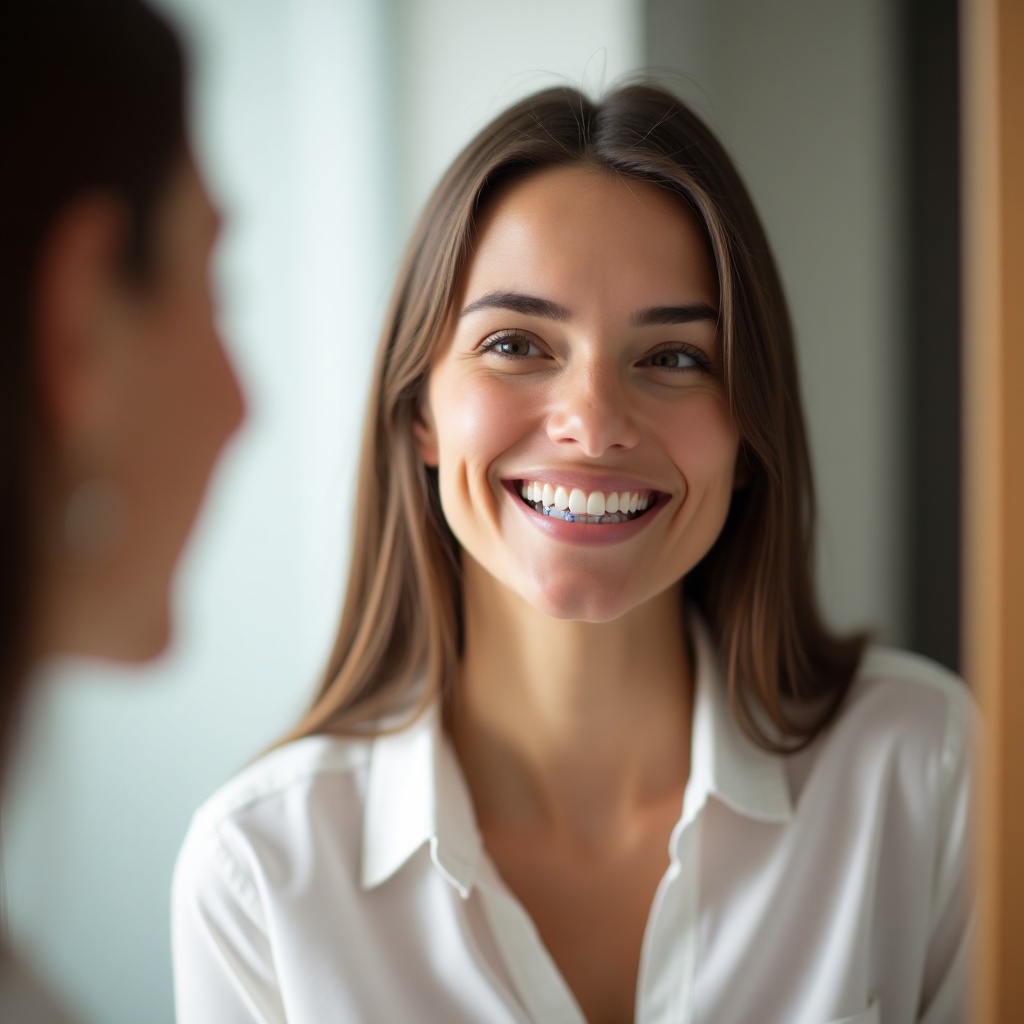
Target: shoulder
{"x":911,"y":673}
{"x":906,"y":725}
{"x":907,"y":697}
{"x":293,"y":772}
{"x":266,"y":826}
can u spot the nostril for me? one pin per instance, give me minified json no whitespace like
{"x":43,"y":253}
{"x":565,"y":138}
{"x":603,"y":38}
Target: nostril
{"x":594,"y":433}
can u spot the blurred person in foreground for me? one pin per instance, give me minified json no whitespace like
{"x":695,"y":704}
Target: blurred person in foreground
{"x":116,"y":396}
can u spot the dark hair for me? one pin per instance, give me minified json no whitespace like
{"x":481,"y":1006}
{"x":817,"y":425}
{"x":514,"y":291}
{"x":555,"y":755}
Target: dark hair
{"x":786,"y":672}
{"x":91,"y":100}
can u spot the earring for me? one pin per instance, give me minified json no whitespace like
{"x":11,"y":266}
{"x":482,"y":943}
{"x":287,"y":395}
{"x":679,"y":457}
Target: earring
{"x":93,"y":521}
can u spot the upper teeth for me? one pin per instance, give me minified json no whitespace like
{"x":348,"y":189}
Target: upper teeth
{"x":579,"y":502}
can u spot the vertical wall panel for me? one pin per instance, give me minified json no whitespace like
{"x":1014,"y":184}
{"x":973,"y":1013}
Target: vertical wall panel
{"x":932,"y":212}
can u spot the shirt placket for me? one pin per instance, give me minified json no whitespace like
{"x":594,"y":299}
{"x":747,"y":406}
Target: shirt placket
{"x":668,"y":961}
{"x":539,"y":984}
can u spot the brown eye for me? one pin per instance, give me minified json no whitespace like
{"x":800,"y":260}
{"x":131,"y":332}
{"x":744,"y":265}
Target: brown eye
{"x":511,"y":345}
{"x":677,"y":358}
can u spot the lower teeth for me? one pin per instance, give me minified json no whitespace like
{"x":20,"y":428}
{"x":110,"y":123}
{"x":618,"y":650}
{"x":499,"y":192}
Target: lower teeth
{"x":572,"y":517}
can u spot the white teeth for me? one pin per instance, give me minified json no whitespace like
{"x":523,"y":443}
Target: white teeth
{"x":577,"y":502}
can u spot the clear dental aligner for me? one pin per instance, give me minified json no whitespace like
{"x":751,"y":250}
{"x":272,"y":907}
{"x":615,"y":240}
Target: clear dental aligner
{"x":577,"y":506}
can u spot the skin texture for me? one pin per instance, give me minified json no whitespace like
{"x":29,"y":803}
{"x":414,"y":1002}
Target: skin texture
{"x":572,"y":719}
{"x":140,"y":397}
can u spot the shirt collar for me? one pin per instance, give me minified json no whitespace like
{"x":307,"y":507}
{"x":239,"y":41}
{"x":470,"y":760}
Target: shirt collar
{"x":724,"y":763}
{"x":416,"y":795}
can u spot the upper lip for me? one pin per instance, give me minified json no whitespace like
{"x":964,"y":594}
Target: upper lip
{"x":585,"y":481}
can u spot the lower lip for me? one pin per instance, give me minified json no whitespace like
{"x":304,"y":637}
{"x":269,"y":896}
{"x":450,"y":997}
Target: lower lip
{"x":586,"y":534}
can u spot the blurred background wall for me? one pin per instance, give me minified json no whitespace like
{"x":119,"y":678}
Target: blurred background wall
{"x":322,"y":124}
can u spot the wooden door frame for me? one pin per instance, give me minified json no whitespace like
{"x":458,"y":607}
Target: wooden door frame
{"x":992,"y":62}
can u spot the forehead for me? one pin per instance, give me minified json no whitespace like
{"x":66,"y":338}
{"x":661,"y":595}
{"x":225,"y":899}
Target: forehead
{"x":582,"y":234}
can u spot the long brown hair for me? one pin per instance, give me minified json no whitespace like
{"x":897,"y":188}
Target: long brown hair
{"x":91,"y":100}
{"x":401,"y":623}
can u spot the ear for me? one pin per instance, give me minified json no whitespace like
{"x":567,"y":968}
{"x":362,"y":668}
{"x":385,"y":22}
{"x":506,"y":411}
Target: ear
{"x":78,"y":291}
{"x":424,"y":432}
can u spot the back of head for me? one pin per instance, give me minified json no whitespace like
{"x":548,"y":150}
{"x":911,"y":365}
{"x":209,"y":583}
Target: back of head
{"x":91,"y":101}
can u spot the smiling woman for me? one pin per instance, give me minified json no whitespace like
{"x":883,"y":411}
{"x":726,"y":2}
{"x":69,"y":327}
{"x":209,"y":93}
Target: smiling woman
{"x":585,"y":749}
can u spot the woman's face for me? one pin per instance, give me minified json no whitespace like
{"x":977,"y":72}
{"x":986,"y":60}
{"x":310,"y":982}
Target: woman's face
{"x":582,"y":367}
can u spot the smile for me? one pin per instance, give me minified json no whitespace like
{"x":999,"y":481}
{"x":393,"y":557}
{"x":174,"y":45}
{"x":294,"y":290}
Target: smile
{"x":575,"y":505}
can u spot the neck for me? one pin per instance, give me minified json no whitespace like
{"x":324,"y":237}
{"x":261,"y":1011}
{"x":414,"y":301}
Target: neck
{"x":566,"y":724}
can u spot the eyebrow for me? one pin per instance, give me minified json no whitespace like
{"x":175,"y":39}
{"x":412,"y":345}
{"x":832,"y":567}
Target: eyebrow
{"x":666,"y":315}
{"x":515,"y":302}
{"x":532,"y":305}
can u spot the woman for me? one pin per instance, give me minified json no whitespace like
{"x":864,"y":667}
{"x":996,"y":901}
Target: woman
{"x":117,"y":396}
{"x":585,"y":748}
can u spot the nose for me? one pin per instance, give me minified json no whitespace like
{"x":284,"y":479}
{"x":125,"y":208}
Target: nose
{"x":592,"y":411}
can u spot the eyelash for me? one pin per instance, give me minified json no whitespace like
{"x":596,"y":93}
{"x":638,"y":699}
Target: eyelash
{"x":700,"y":359}
{"x":493,"y":343}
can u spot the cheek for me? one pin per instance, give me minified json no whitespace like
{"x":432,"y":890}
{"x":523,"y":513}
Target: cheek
{"x":185,"y":402}
{"x":477,"y":422}
{"x":704,"y":441}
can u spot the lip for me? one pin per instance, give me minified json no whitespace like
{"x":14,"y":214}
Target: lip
{"x":586,"y":534}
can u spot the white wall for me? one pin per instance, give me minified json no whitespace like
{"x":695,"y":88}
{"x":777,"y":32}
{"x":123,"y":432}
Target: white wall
{"x":807,"y":98}
{"x":459,"y":63}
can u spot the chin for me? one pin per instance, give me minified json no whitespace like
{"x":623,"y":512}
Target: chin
{"x":142,"y":641}
{"x":581,"y":603}
{"x":156,"y":641}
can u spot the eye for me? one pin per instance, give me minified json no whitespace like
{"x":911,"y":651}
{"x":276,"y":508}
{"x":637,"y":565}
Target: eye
{"x":677,"y":357}
{"x":511,"y":345}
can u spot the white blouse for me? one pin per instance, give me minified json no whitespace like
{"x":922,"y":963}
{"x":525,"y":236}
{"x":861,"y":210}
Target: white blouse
{"x":342,"y":880}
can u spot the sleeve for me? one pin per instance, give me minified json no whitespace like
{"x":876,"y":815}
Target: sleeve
{"x":946,"y":990}
{"x":223,"y":962}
